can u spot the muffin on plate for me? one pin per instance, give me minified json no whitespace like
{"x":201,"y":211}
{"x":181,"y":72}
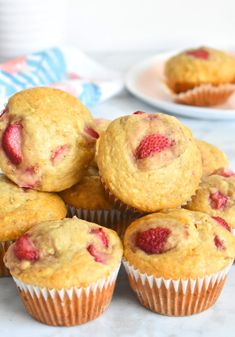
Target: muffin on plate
{"x":177,"y":261}
{"x":212,"y":157}
{"x":148,"y":162}
{"x":216,"y":197}
{"x":47,"y":139}
{"x":65,"y":270}
{"x":210,"y":71}
{"x":20,"y":209}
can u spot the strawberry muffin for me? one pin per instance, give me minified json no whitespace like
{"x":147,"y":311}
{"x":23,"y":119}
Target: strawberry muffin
{"x":88,"y":200}
{"x":209,"y":70}
{"x":149,"y":162}
{"x":194,"y":67}
{"x":212,"y":157}
{"x":160,"y":250}
{"x":216,"y":197}
{"x":65,"y":270}
{"x":20,"y":209}
{"x":47,"y":139}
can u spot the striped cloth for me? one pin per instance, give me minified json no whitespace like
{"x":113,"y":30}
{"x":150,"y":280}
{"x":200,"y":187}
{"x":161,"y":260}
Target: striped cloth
{"x":63,"y":68}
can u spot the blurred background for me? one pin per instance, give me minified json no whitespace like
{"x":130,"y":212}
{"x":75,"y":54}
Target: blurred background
{"x":121,"y":25}
{"x":104,"y":25}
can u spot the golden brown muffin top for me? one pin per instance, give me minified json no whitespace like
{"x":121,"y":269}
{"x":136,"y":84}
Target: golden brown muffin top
{"x":21,"y":208}
{"x":47,"y":139}
{"x":178,"y":244}
{"x":88,"y":194}
{"x":64,"y":254}
{"x":212,"y":157}
{"x":203,"y":65}
{"x":149,"y":161}
{"x":216,"y":196}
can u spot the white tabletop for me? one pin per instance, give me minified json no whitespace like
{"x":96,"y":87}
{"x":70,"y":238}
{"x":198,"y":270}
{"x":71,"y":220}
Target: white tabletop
{"x":125,"y":316}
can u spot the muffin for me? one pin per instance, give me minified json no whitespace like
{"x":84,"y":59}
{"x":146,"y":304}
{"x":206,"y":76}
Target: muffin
{"x":212,"y":157}
{"x":160,"y":250}
{"x":197,"y":68}
{"x":47,"y":139}
{"x":148,"y":162}
{"x":20,"y":209}
{"x":88,"y":201}
{"x":216,"y":197}
{"x":65,"y":270}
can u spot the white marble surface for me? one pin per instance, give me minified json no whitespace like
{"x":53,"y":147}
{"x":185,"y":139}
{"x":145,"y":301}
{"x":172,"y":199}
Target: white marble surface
{"x":125,"y":316}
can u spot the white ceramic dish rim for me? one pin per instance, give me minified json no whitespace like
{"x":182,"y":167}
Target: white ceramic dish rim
{"x":171,"y":107}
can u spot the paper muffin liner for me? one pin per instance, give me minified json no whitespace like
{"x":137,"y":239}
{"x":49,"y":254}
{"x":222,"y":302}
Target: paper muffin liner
{"x":206,"y":95}
{"x":67,"y":307}
{"x":4,"y":245}
{"x":233,"y":231}
{"x":112,"y":218}
{"x":176,"y":297}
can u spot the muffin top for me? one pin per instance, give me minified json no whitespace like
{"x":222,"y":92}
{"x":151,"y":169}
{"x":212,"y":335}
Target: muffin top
{"x":194,"y":67}
{"x":47,"y":139}
{"x":64,"y":254}
{"x":216,"y":196}
{"x":212,"y":157}
{"x":87,"y":194}
{"x":21,"y":208}
{"x":149,"y":161}
{"x":178,"y":244}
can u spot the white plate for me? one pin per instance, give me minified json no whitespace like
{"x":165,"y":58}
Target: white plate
{"x":146,"y":81}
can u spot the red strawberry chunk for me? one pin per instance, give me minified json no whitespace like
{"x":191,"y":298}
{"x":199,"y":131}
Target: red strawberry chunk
{"x":98,"y":257}
{"x":224,"y":172}
{"x":153,"y":241}
{"x":219,"y":243}
{"x":222,"y":222}
{"x":25,"y":249}
{"x":91,"y":133}
{"x":199,"y":53}
{"x":152,"y":144}
{"x":11,"y":143}
{"x":138,"y":113}
{"x":101,"y":235}
{"x":218,"y":200}
{"x":58,"y":153}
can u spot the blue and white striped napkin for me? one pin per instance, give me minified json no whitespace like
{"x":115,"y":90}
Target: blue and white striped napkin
{"x":64,"y":68}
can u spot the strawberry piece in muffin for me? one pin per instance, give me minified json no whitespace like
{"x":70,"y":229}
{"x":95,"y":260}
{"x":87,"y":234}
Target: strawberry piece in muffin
{"x":153,"y":240}
{"x":101,"y":235}
{"x":11,"y":143}
{"x":25,"y":249}
{"x":222,"y":222}
{"x":219,"y":243}
{"x":218,"y":200}
{"x":152,"y":144}
{"x":199,"y":53}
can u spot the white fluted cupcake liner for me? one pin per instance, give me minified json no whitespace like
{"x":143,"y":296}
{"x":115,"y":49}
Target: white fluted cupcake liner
{"x":112,"y":218}
{"x":4,"y":245}
{"x":67,"y":307}
{"x":206,"y":95}
{"x":176,"y":297}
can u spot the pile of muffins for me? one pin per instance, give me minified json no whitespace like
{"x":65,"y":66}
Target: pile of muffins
{"x":142,"y":179}
{"x":201,"y":77}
